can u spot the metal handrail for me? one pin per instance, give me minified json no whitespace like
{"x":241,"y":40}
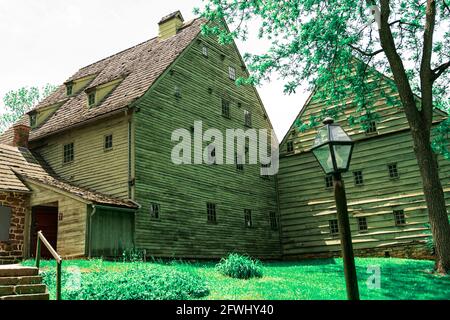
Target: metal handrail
{"x":56,"y":256}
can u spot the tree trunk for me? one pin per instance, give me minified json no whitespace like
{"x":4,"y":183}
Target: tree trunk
{"x":434,"y":196}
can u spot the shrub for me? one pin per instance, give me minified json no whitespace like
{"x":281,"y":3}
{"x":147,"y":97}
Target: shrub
{"x":240,"y":267}
{"x":134,"y":284}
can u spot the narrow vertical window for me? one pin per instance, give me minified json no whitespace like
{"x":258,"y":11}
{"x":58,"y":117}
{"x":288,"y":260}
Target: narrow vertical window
{"x":248,"y":218}
{"x":290,"y":146}
{"x":211,"y":154}
{"x":362,"y":224}
{"x":91,"y":98}
{"x":371,"y":127}
{"x":68,"y":155}
{"x":232,"y":73}
{"x":5,"y":223}
{"x":399,"y":217}
{"x":358,"y":176}
{"x":69,"y":89}
{"x":247,"y":118}
{"x":328,"y":181}
{"x":393,"y":171}
{"x":33,"y":120}
{"x":225,"y":108}
{"x":155,"y":210}
{"x":211,"y":212}
{"x":239,"y":162}
{"x":108,"y":143}
{"x":334,"y":226}
{"x":177,"y":92}
{"x":273,"y":221}
{"x":205,"y":51}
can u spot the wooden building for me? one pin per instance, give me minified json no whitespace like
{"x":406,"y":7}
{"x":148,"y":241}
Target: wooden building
{"x":107,"y":130}
{"x":387,"y":208}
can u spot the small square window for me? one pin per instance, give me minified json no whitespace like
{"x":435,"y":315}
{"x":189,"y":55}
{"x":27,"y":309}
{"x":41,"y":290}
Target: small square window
{"x":399,"y":216}
{"x":69,"y":89}
{"x":290,"y":146}
{"x":226,"y":108}
{"x":247,"y":118}
{"x":371,"y":127}
{"x":248,"y":218}
{"x":273,"y":220}
{"x":393,"y":171}
{"x":68,"y":153}
{"x":155,"y":210}
{"x":334,"y":226}
{"x":329,"y":181}
{"x":91,"y":98}
{"x":232,"y":73}
{"x":211,"y":212}
{"x":108,"y":142}
{"x":205,"y":51}
{"x":362,"y":224}
{"x":359,"y":180}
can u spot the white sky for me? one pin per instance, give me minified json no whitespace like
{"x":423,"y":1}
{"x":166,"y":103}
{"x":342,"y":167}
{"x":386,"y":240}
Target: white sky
{"x":47,"y":41}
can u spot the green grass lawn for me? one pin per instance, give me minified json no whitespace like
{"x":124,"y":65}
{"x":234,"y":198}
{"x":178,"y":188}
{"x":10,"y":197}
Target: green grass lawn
{"x":308,"y":279}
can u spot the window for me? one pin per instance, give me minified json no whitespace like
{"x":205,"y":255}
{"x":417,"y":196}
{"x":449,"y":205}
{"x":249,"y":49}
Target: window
{"x":33,"y":120}
{"x":226,"y":108}
{"x":205,"y":51}
{"x":211,"y":212}
{"x":211,"y":154}
{"x":239,"y":162}
{"x":334,"y":227}
{"x":371,"y":127}
{"x":264,"y":168}
{"x":108,"y":142}
{"x":248,"y":218}
{"x":91,"y":98}
{"x":247,"y":118}
{"x":329,"y":181}
{"x":399,"y":216}
{"x":362,"y":224}
{"x":273,"y":221}
{"x":232,"y":73}
{"x":358,"y":177}
{"x":177,"y":92}
{"x":290,"y":146}
{"x":393,"y":171}
{"x":5,"y":223}
{"x":155,"y":210}
{"x":68,"y":153}
{"x":69,"y":89}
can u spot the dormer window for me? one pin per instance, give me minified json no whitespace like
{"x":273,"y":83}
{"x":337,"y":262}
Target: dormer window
{"x":91,"y":99}
{"x":69,"y":89}
{"x":33,"y":120}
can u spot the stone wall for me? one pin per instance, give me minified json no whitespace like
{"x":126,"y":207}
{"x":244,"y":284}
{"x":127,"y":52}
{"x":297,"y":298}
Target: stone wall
{"x":11,"y":251}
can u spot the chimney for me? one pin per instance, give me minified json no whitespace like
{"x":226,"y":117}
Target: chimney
{"x":169,"y":25}
{"x":21,"y":135}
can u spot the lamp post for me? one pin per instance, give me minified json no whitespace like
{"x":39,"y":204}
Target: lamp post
{"x":333,"y":149}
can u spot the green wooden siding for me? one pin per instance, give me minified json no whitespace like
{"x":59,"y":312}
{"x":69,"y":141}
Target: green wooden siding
{"x":183,"y":191}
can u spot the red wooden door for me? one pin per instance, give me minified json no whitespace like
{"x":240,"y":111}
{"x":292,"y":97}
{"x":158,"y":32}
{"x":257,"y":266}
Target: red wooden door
{"x":44,"y":219}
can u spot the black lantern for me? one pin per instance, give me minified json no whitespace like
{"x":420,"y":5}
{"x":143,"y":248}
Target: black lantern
{"x":332,"y":148}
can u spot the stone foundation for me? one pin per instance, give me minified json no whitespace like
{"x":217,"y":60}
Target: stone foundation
{"x":11,"y":250}
{"x":413,"y":250}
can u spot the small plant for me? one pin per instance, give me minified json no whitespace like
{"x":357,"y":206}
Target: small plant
{"x":133,"y":255}
{"x":240,"y":267}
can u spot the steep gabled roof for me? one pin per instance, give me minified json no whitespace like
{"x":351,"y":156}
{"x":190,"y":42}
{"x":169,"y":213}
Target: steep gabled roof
{"x":19,"y":165}
{"x":139,"y":67}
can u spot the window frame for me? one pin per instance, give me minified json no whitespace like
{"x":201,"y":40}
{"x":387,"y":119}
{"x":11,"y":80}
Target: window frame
{"x":69,"y":89}
{"x":68,"y":152}
{"x":226,"y":108}
{"x":363,"y":226}
{"x":232,"y":73}
{"x":211,"y":213}
{"x":155,"y":211}
{"x":33,"y":120}
{"x":390,"y":170}
{"x":328,"y":178}
{"x":247,"y":118}
{"x":205,"y":51}
{"x":372,"y":128}
{"x":105,"y":140}
{"x":290,"y":146}
{"x":91,"y":102}
{"x":333,"y":225}
{"x":398,"y":221}
{"x":358,"y":178}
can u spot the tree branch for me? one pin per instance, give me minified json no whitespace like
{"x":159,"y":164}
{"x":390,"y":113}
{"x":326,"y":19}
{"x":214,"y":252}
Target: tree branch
{"x":440,"y":70}
{"x":364,"y":53}
{"x":446,"y":6}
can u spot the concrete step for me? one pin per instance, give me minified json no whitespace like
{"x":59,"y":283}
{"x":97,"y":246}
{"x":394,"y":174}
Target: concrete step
{"x":30,"y":289}
{"x":39,"y":296}
{"x":14,"y":270}
{"x":6,"y":290}
{"x":20,"y":280}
